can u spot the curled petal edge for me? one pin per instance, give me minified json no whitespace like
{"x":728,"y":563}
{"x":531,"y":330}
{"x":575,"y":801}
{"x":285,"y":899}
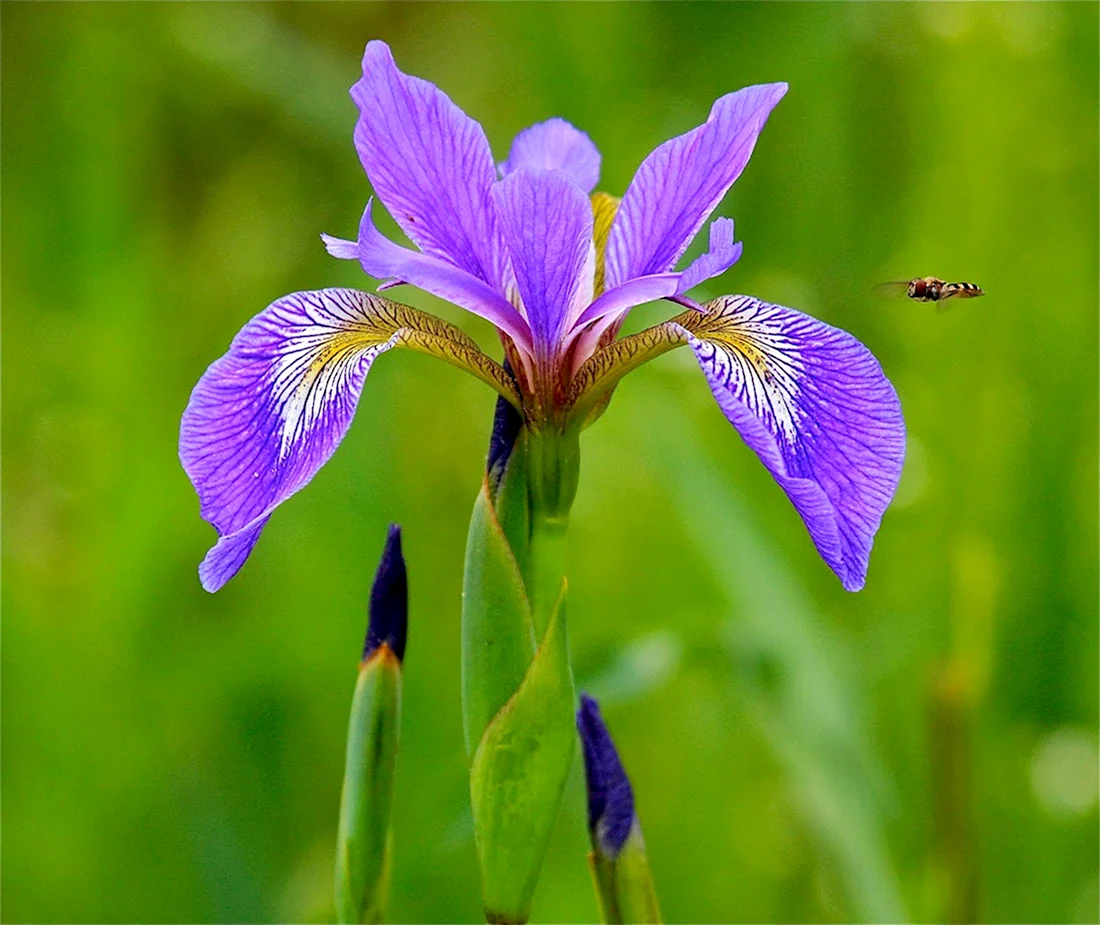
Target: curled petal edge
{"x":723,"y":253}
{"x":393,"y":264}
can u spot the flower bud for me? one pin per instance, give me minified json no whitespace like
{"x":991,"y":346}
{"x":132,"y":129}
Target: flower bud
{"x":610,"y":796}
{"x":389,"y":600}
{"x":507,"y":424}
{"x":620,"y":868}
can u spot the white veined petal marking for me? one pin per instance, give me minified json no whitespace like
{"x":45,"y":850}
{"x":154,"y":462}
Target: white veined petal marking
{"x":758,"y":360}
{"x":319,"y":360}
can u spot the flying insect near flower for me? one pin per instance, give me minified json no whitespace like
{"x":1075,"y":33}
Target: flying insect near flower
{"x":931,"y":289}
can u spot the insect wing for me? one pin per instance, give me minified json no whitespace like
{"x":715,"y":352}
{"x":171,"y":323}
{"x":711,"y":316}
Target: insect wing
{"x":893,"y":290}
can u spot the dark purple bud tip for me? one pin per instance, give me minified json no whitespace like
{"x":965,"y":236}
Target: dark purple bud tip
{"x":507,"y":424}
{"x":610,"y":796}
{"x":389,"y":600}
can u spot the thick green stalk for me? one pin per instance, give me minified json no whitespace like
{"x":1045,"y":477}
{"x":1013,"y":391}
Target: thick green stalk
{"x":517,"y":684}
{"x":554,"y":468}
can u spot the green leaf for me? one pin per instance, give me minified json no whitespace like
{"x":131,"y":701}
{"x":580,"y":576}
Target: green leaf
{"x":498,"y":640}
{"x":362,"y":870}
{"x":518,"y":776}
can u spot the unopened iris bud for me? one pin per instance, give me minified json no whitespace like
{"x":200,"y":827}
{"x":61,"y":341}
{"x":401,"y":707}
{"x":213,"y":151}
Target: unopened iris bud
{"x":362,"y":848}
{"x":507,"y":423}
{"x":389,"y":600}
{"x":620,"y":868}
{"x":610,"y":796}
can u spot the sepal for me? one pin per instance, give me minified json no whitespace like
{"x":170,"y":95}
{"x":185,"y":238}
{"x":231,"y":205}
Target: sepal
{"x":265,"y":417}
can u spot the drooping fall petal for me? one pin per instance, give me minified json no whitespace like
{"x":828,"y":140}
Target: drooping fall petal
{"x":267,"y":415}
{"x":815,"y":406}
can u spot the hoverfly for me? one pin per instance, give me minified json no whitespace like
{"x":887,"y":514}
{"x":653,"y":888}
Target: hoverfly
{"x":932,"y":289}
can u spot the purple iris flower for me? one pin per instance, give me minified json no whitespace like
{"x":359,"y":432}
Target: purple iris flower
{"x":556,"y":268}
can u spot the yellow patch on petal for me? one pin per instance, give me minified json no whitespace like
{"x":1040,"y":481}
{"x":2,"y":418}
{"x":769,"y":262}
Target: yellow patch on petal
{"x":321,"y":359}
{"x":604,"y":208}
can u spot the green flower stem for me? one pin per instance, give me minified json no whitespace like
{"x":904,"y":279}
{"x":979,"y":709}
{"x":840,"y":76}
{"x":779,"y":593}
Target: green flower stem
{"x":517,"y":683}
{"x":554,"y":469}
{"x":554,"y":465}
{"x":549,"y":545}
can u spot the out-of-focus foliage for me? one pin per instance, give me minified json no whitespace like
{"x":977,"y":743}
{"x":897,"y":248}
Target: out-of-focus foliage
{"x":923,"y":750}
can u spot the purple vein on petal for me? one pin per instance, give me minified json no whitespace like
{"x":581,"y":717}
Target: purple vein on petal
{"x":815,"y":406}
{"x":267,"y":415}
{"x":431,"y":166}
{"x":547,"y":223}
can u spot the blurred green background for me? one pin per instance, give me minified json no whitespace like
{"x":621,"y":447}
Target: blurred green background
{"x":923,"y":750}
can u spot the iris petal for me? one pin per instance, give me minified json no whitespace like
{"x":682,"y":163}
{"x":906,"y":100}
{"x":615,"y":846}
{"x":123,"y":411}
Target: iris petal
{"x":680,"y":183}
{"x":384,"y":260}
{"x":815,"y":406}
{"x":431,"y":166}
{"x":722,"y":254}
{"x":616,"y":302}
{"x":547,"y":224}
{"x":556,"y":145}
{"x":267,"y":415}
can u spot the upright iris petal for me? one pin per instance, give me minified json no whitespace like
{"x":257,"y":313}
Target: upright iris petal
{"x":430,"y":164}
{"x":680,"y":183}
{"x":556,"y":145}
{"x":547,"y":223}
